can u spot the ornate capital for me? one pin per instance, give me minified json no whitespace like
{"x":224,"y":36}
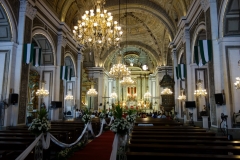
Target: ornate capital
{"x":205,"y":5}
{"x":174,"y":53}
{"x":62,"y":41}
{"x":185,"y":35}
{"x":80,"y":57}
{"x":29,"y":10}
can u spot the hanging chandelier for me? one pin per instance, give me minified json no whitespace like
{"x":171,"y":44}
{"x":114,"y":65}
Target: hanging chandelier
{"x":166,"y":91}
{"x":182,"y":97}
{"x":126,"y":81}
{"x":42,"y":92}
{"x":119,"y":70}
{"x":92,"y":92}
{"x":147,"y":95}
{"x":237,"y":83}
{"x":113,"y":95}
{"x":69,"y":95}
{"x":200,"y":91}
{"x":97,"y":29}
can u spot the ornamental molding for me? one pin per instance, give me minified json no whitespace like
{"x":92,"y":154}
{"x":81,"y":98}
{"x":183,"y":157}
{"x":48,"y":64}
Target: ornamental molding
{"x":28,"y":8}
{"x":205,"y":4}
{"x":185,"y":35}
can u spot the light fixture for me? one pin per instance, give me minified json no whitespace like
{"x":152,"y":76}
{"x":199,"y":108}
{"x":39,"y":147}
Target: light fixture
{"x":131,"y":64}
{"x":97,"y":29}
{"x":166,"y":91}
{"x":237,"y":83}
{"x":113,"y":95}
{"x":147,"y":95}
{"x":126,"y":81}
{"x":144,"y":67}
{"x":119,"y":70}
{"x":92,"y":92}
{"x":182,"y":97}
{"x":42,"y":92}
{"x":200,"y":91}
{"x":69,"y":95}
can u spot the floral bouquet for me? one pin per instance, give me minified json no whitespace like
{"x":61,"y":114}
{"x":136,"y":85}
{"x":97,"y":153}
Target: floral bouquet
{"x":40,"y":124}
{"x":131,"y":118}
{"x":120,"y":126}
{"x":102,"y":115}
{"x":86,"y":118}
{"x":110,"y":114}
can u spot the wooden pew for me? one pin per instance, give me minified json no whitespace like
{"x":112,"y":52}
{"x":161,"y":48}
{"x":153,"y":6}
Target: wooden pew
{"x":183,"y":137}
{"x":180,"y":156}
{"x":147,"y":133}
{"x":185,"y":142}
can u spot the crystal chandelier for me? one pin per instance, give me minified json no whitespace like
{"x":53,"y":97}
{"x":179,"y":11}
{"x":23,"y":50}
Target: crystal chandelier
{"x":126,"y":81}
{"x":113,"y":95}
{"x":92,"y":92}
{"x":119,"y":70}
{"x":237,"y":83}
{"x":200,"y":91}
{"x":182,"y":97}
{"x":97,"y":29}
{"x":69,"y":96}
{"x":147,"y":95}
{"x":42,"y":92}
{"x":166,"y":91}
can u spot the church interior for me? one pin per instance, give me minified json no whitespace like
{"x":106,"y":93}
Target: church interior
{"x":177,"y":57}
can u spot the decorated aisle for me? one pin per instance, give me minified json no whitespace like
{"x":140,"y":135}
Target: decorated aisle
{"x":99,"y":148}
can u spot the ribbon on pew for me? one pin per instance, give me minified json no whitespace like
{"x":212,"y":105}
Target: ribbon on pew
{"x":111,"y":120}
{"x":24,"y":154}
{"x":90,"y":129}
{"x":46,"y":143}
{"x":116,"y":146}
{"x":100,"y":132}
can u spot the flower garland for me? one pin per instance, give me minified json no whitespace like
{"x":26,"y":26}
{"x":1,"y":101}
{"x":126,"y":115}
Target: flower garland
{"x":86,"y":118}
{"x":41,"y":124}
{"x":68,"y":152}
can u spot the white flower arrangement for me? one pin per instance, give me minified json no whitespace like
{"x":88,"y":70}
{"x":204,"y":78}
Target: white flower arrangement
{"x":41,"y":124}
{"x":120,"y":126}
{"x":110,"y":114}
{"x":131,"y":118}
{"x":86,"y":118}
{"x":102,"y":115}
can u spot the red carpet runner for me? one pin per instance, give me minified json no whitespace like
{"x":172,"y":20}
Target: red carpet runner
{"x":98,"y":149}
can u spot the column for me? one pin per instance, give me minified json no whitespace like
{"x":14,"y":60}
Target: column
{"x":26,"y":15}
{"x":176,"y":86}
{"x":190,"y":76}
{"x":78,"y":79}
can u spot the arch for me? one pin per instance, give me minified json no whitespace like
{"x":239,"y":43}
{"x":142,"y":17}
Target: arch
{"x":201,"y":26}
{"x":49,"y":38}
{"x":11,"y":20}
{"x":66,"y":5}
{"x":152,"y":9}
{"x":69,"y":54}
{"x":110,"y":51}
{"x":221,"y":19}
{"x":180,"y":55}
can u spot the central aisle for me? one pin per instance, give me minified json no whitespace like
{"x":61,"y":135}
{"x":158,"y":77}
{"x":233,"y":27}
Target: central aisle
{"x":99,"y":148}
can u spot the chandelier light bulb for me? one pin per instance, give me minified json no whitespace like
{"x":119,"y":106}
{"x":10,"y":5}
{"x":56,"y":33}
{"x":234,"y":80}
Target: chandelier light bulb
{"x":126,"y":81}
{"x":200,"y":91}
{"x":166,"y":91}
{"x":69,"y":96}
{"x":97,"y":28}
{"x":92,"y":92}
{"x":182,"y":97}
{"x":237,"y":83}
{"x":42,"y":92}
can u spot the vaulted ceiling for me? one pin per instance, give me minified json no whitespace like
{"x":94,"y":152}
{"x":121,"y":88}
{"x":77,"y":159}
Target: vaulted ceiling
{"x":148,"y":25}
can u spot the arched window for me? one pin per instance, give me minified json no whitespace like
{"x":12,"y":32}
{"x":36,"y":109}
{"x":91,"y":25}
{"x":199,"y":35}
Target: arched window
{"x":5,"y":30}
{"x":69,"y":64}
